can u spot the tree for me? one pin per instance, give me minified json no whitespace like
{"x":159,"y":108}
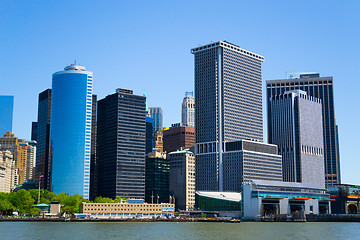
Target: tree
{"x":5,"y":205}
{"x":22,"y":201}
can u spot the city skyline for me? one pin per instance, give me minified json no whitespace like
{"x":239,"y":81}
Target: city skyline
{"x":331,"y":56}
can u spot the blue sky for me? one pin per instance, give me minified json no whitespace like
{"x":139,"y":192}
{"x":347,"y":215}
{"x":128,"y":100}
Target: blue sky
{"x":145,"y":46}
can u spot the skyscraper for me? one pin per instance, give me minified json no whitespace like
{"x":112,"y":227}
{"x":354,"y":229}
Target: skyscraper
{"x":6,"y":114}
{"x":319,"y":87}
{"x":121,"y":145}
{"x":93,"y":172}
{"x":188,"y":110}
{"x":296,"y":127}
{"x":157,"y":114}
{"x":28,"y":155}
{"x":43,"y":162}
{"x":228,"y":119}
{"x":70,"y":130}
{"x":149,"y":134}
{"x":34,"y":131}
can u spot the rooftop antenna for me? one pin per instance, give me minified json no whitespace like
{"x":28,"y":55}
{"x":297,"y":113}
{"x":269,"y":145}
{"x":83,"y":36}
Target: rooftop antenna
{"x":75,"y":61}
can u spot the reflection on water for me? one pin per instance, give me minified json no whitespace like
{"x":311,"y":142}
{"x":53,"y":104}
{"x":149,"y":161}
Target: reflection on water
{"x":175,"y":231}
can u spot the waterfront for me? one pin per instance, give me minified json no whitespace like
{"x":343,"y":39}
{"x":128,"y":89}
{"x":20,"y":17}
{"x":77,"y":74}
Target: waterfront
{"x":177,"y":231}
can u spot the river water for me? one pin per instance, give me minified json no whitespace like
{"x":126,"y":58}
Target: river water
{"x":175,"y":231}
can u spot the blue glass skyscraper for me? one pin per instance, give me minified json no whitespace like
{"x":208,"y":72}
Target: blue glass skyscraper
{"x":70,"y":130}
{"x":6,"y":114}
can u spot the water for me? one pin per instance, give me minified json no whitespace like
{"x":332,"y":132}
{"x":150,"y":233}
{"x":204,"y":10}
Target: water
{"x":176,"y":231}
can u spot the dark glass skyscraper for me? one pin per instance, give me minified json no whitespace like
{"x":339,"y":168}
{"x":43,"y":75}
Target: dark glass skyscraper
{"x":6,"y":114}
{"x":149,"y":134}
{"x":93,"y":169}
{"x":43,"y":163}
{"x":70,"y":130}
{"x":319,"y":87}
{"x":228,"y":100}
{"x":34,"y":131}
{"x":121,"y":145}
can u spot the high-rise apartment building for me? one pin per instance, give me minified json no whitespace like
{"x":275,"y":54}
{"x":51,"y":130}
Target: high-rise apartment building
{"x":322,"y":88}
{"x":178,"y":137}
{"x":157,"y":169}
{"x":43,"y":162}
{"x":296,"y":128}
{"x":120,"y":145}
{"x":157,"y":114}
{"x":228,"y":119}
{"x":70,"y":130}
{"x":28,"y":158}
{"x":188,"y":110}
{"x":6,"y":113}
{"x":11,"y":143}
{"x":182,"y":178}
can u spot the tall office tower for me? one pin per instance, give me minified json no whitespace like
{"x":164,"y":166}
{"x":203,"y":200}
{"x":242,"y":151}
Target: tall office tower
{"x":182,"y":178}
{"x":7,"y":171}
{"x":70,"y":130}
{"x":34,"y":131}
{"x":28,"y":158}
{"x":121,"y":145}
{"x":93,"y":169}
{"x":43,"y":162}
{"x":296,"y":128}
{"x":6,"y":114}
{"x":319,"y":87}
{"x":158,"y":143}
{"x":157,"y":169}
{"x":228,"y":100}
{"x":157,"y":114}
{"x":11,"y":143}
{"x":149,"y":135}
{"x":178,"y":136}
{"x":188,"y":110}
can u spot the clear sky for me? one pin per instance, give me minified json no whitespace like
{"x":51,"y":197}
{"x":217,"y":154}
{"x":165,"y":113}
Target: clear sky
{"x":145,"y":46}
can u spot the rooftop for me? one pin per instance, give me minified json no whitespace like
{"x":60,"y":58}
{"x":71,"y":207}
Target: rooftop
{"x":228,"y":196}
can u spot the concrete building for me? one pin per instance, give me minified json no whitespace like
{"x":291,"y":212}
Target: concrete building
{"x":120,"y":149}
{"x":11,"y":143}
{"x":265,"y":198}
{"x":188,"y":110}
{"x":43,"y":161}
{"x":133,"y":208}
{"x":178,"y":137}
{"x":157,"y":170}
{"x":6,"y":113}
{"x":182,"y":178}
{"x":228,"y":100}
{"x":7,"y":171}
{"x":322,"y":88}
{"x":70,"y":130}
{"x":296,"y":128}
{"x":157,"y":114}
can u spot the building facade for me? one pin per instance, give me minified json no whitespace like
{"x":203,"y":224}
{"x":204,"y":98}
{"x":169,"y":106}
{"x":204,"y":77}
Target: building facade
{"x":6,"y":113}
{"x":34,"y":131}
{"x":228,"y":100}
{"x":322,"y":88}
{"x":157,"y":170}
{"x":43,"y":161}
{"x":133,"y":208}
{"x":157,"y":114}
{"x":93,"y":165}
{"x":11,"y":143}
{"x":182,"y":178}
{"x":188,"y":110}
{"x":158,"y":143}
{"x":178,"y":137}
{"x":120,"y":145}
{"x":297,"y":129}
{"x":7,"y":171}
{"x":70,"y":130}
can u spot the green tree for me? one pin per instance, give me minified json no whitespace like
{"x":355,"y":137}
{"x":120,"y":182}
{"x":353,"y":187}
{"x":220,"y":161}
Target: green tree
{"x":5,"y":204}
{"x":22,"y":201}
